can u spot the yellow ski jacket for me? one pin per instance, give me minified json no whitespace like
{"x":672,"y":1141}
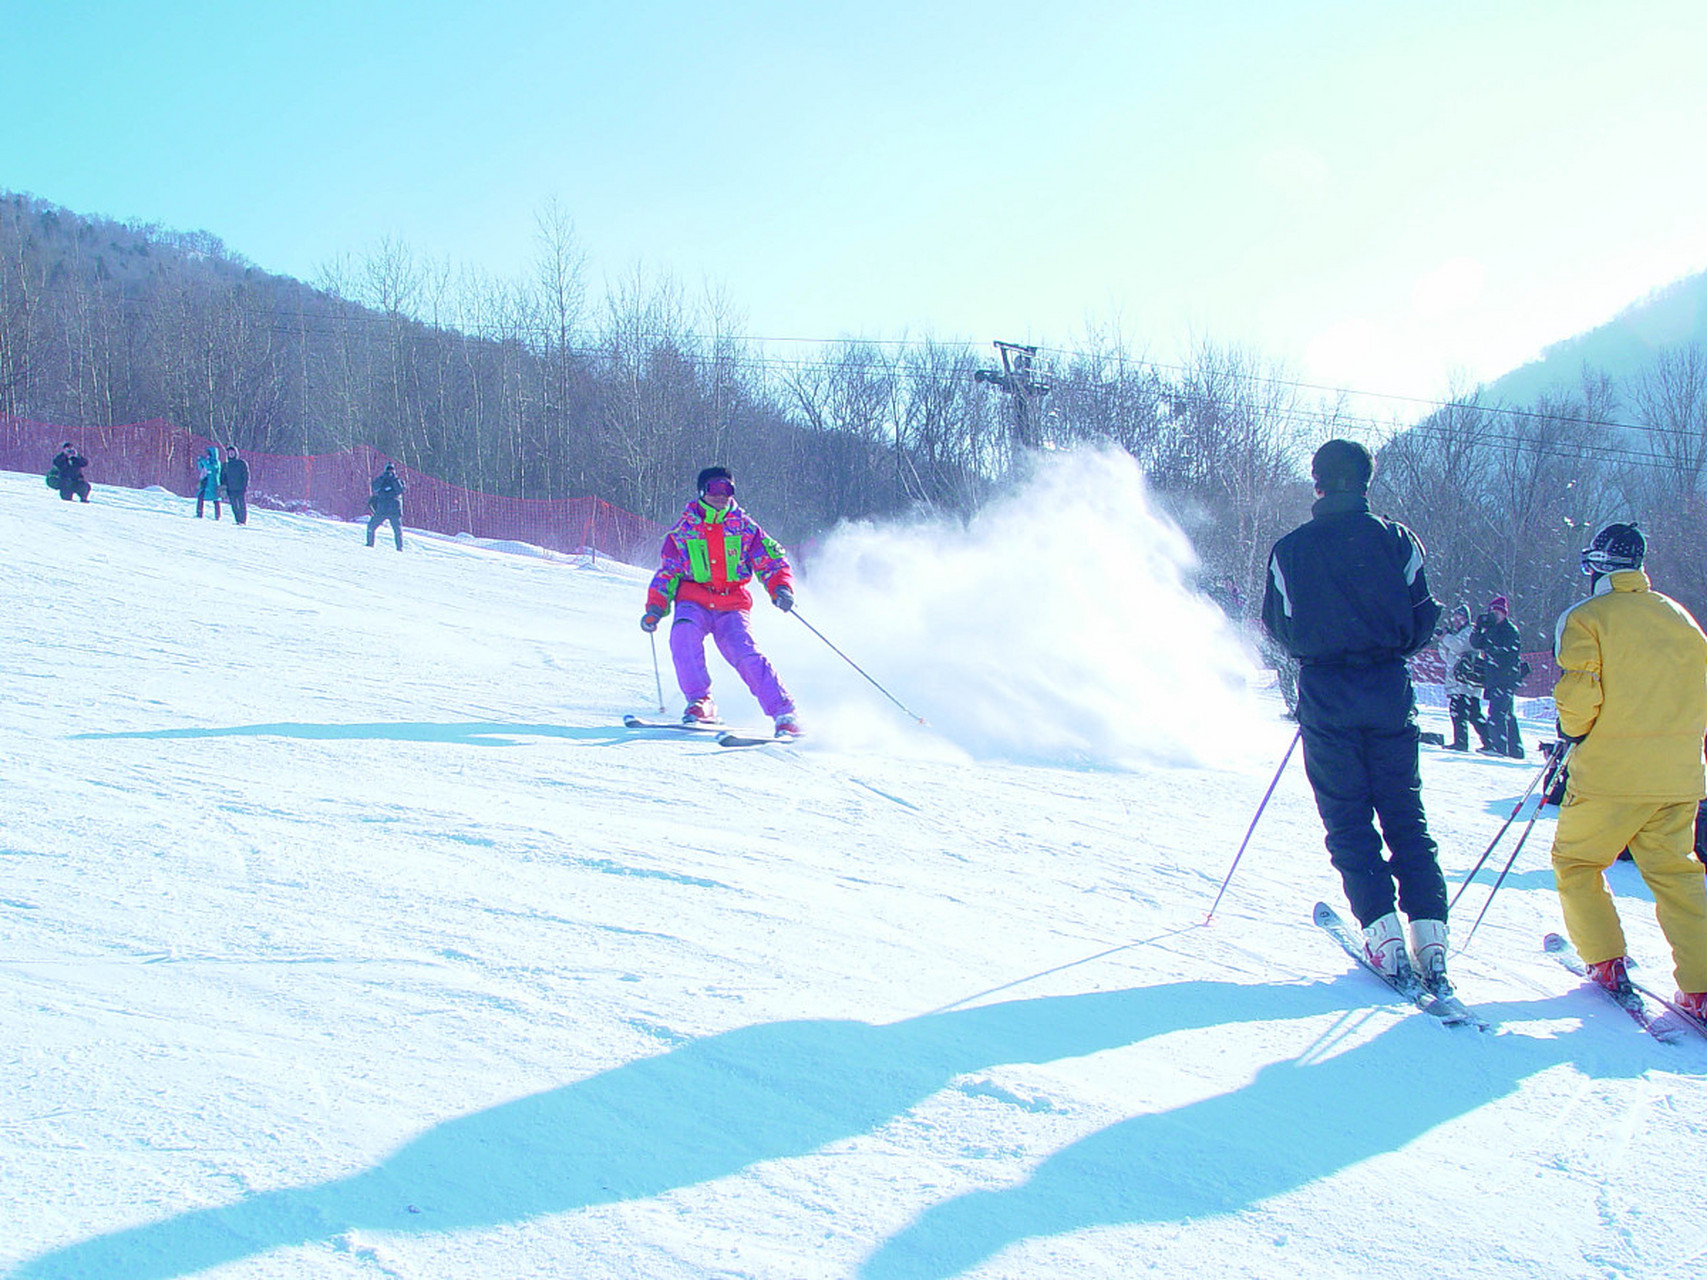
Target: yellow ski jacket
{"x":1635,"y":682}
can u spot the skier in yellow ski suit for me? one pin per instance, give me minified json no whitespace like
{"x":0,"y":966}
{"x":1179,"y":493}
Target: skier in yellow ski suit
{"x":1633,"y":696}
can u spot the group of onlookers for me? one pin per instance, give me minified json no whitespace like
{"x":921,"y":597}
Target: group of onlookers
{"x":1484,"y":661}
{"x":230,"y":476}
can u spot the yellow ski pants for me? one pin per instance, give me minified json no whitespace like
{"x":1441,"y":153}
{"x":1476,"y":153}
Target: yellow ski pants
{"x":1590,"y":836}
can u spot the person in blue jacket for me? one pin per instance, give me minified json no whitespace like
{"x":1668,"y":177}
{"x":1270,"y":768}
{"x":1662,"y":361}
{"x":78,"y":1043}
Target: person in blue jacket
{"x":207,"y":488}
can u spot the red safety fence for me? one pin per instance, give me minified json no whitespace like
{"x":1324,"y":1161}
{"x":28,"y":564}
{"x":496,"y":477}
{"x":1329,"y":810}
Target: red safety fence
{"x":1428,"y":667}
{"x":139,"y":455}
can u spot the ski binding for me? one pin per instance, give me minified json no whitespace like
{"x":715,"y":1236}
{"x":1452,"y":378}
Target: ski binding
{"x":1444,"y":1006}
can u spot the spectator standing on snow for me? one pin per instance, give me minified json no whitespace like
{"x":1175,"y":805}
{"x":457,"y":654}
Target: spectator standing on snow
{"x":386,"y":503}
{"x":207,"y":488}
{"x":236,"y":475}
{"x":1346,"y":596}
{"x":1502,"y":671}
{"x":709,"y":557}
{"x":1463,"y":694}
{"x":1632,"y":694}
{"x":66,"y":473}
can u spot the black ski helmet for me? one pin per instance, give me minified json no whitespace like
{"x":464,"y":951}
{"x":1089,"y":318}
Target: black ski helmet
{"x":1616,"y":547}
{"x":710,"y":474}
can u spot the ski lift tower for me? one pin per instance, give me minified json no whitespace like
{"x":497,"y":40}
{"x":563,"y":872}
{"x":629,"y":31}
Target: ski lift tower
{"x":1016,"y":377}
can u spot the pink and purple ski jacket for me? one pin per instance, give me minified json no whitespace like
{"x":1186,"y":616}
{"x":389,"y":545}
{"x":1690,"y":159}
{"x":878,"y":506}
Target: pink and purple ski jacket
{"x":709,"y":558}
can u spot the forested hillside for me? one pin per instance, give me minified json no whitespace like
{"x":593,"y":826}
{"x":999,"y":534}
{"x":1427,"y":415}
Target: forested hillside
{"x":541,"y":386}
{"x":532,"y":386}
{"x":1508,"y":495}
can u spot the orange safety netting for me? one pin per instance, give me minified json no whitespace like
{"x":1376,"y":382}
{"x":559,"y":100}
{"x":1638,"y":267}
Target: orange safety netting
{"x":140,"y":455}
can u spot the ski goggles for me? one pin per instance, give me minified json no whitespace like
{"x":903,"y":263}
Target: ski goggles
{"x":719,"y":488}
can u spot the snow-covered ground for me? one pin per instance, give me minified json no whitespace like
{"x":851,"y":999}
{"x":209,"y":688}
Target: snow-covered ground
{"x":344,"y":934}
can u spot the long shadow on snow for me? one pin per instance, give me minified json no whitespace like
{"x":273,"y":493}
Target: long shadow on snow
{"x":475,"y":734}
{"x":1294,"y":1124}
{"x":704,"y":1110}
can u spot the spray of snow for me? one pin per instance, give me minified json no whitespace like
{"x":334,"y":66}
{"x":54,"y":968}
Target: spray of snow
{"x":1057,"y":625}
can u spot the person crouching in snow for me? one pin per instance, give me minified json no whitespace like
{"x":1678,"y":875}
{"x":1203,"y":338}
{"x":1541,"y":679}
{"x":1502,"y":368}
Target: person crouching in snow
{"x":709,"y":557}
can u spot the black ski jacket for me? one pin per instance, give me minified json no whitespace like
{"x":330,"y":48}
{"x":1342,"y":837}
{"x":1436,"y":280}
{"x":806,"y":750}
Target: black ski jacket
{"x":387,"y":494}
{"x":70,"y":467}
{"x":1498,"y":640}
{"x":236,"y":475}
{"x":1348,"y":589}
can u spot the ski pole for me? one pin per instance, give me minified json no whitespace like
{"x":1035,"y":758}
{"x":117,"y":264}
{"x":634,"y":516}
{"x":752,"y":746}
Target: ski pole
{"x":1500,"y":879}
{"x":1298,"y":734}
{"x":1509,"y":863}
{"x":656,"y":678}
{"x":844,"y":657}
{"x":1546,"y":772}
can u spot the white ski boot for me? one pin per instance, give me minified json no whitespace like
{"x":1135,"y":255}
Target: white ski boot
{"x":1428,"y":946}
{"x":1384,"y":945}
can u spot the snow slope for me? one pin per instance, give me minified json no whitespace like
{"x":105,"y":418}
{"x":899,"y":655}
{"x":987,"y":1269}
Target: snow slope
{"x":342,"y":934}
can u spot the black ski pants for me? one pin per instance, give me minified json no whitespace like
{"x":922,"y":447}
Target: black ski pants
{"x":1503,"y":735}
{"x":1466,"y":710}
{"x":1359,"y":775}
{"x":239,"y":505}
{"x":380,"y":517}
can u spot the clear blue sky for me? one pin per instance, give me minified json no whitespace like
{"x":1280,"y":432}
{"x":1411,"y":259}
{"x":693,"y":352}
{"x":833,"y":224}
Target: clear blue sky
{"x":1386,"y":195}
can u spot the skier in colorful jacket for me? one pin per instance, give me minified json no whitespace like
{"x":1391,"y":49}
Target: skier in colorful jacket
{"x":709,"y":557}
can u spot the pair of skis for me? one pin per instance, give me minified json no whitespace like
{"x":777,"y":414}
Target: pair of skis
{"x":1667,"y":1026}
{"x":725,"y":736}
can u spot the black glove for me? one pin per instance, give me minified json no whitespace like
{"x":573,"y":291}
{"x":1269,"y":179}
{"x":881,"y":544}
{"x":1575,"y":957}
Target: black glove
{"x":1565,"y":737}
{"x":649,"y":621}
{"x":784,"y":599}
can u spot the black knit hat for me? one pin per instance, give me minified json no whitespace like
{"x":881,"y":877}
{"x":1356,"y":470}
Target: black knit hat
{"x":1615,"y":548}
{"x":710,"y":474}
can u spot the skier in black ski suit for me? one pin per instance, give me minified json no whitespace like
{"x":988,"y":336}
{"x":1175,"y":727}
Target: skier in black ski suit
{"x":1347,"y":597}
{"x":235,"y":477}
{"x":1503,"y":671}
{"x":386,"y":503}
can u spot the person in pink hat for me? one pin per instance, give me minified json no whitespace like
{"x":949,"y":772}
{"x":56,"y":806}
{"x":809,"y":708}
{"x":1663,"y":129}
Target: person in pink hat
{"x":1498,"y":641}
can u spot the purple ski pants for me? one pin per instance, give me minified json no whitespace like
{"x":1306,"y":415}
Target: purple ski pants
{"x":729,"y":628}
